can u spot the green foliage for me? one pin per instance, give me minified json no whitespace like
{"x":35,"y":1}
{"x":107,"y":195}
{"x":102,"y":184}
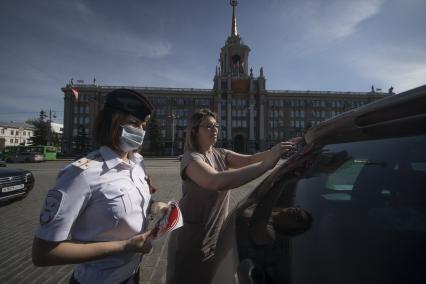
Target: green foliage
{"x":41,"y":130}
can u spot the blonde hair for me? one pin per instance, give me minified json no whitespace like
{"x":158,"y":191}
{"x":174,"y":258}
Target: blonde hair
{"x":191,"y":142}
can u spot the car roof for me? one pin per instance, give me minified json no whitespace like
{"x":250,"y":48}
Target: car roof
{"x":394,"y":116}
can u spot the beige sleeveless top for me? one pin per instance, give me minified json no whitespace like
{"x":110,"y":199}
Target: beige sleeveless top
{"x":191,"y":247}
{"x":201,"y":206}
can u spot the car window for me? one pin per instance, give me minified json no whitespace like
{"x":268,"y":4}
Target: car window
{"x":360,"y":213}
{"x":368,"y":204}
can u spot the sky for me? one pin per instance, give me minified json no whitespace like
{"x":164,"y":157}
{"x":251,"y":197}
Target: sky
{"x":319,"y":45}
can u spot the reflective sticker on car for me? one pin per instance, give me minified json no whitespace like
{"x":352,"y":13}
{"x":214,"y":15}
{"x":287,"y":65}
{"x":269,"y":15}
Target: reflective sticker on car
{"x":51,"y":206}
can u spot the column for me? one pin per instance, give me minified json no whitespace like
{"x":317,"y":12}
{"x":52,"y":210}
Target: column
{"x":219,"y":115}
{"x":68,"y":123}
{"x":229,"y":119}
{"x":262,"y":121}
{"x":251,"y":142}
{"x":251,"y":117}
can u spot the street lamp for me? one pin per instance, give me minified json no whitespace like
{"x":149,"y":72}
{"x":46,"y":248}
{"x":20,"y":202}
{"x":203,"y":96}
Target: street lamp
{"x":52,"y":113}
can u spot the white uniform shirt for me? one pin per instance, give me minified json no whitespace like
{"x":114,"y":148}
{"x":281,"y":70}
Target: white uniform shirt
{"x":98,"y":198}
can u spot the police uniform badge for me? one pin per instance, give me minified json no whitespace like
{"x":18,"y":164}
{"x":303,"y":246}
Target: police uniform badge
{"x":51,"y":206}
{"x":86,"y":162}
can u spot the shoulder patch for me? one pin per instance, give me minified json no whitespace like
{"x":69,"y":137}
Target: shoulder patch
{"x":86,"y":162}
{"x":51,"y":206}
{"x":83,"y":163}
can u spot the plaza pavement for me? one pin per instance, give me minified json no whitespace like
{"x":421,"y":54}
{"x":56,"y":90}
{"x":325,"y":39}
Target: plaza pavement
{"x":19,"y":219}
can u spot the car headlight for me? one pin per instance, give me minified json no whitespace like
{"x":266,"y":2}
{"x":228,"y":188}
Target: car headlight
{"x":27,"y":176}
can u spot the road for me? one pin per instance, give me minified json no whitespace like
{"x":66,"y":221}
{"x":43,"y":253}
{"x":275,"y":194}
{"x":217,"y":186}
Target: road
{"x":19,"y":220}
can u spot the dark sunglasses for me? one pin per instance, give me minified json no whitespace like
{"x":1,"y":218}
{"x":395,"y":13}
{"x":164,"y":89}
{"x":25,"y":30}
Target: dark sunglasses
{"x":211,"y":125}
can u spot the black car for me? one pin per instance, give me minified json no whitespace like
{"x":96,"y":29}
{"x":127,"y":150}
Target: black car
{"x":2,"y":161}
{"x":348,"y":207}
{"x":15,"y":183}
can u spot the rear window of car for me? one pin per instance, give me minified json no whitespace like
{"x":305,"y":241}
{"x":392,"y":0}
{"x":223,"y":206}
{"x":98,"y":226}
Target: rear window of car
{"x":368,"y":203}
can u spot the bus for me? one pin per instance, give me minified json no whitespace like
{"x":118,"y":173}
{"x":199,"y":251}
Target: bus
{"x":48,"y":152}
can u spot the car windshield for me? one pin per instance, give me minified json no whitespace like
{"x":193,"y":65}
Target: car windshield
{"x":368,"y":205}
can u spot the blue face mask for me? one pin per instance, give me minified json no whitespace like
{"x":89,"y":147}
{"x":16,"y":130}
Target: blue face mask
{"x":131,"y":138}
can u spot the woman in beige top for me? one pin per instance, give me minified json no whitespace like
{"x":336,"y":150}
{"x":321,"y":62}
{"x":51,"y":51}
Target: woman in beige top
{"x":208,"y":173}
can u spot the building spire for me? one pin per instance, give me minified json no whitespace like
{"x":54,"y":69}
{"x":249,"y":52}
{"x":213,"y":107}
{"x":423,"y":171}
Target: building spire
{"x":234,"y":31}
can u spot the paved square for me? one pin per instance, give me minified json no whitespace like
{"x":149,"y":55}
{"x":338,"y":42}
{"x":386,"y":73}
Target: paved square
{"x":20,"y":218}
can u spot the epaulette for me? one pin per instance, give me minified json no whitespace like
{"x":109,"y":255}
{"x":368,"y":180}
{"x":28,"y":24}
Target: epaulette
{"x":86,"y":162}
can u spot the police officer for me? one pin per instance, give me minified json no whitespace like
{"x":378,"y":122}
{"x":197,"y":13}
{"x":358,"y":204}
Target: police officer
{"x":96,"y":214}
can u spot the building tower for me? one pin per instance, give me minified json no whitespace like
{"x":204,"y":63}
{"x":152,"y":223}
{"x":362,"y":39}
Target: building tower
{"x":237,"y":93}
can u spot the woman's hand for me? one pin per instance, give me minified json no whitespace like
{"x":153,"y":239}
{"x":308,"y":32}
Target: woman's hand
{"x":159,"y":208}
{"x":139,"y":243}
{"x":274,"y":154}
{"x":296,"y":140}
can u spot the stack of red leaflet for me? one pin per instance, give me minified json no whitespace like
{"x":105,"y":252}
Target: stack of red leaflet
{"x":168,"y":222}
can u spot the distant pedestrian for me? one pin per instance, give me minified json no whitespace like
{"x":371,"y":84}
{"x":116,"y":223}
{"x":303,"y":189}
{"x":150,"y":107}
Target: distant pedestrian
{"x":96,"y":214}
{"x":208,"y":173}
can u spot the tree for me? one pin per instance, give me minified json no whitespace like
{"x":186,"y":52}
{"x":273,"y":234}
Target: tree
{"x":41,"y":130}
{"x":155,"y":141}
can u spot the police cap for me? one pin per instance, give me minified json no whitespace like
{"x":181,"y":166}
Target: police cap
{"x":130,"y":102}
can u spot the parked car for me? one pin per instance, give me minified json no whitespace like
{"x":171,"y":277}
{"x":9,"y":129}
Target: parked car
{"x":348,"y":207}
{"x":15,"y":183}
{"x":24,"y":157}
{"x":2,"y":161}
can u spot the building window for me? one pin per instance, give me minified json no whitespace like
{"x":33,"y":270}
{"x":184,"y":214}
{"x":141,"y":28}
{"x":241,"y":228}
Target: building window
{"x":11,"y":141}
{"x":16,"y":141}
{"x":11,"y":132}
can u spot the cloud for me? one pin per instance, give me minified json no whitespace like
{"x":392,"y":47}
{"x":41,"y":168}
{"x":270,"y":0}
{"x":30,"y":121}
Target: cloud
{"x":23,"y":101}
{"x":338,"y":19}
{"x":81,"y":7}
{"x":402,"y":67}
{"x":125,"y":43}
{"x":78,"y":25}
{"x":176,"y":77}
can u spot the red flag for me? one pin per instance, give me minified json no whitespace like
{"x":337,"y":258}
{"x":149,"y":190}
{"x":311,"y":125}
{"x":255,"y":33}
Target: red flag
{"x":75,"y":93}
